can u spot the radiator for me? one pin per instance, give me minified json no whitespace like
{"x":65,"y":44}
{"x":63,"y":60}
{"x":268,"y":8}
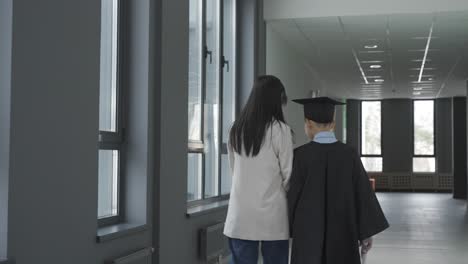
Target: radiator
{"x":400,"y":181}
{"x":213,"y":243}
{"x":413,"y":181}
{"x":140,"y":257}
{"x":445,"y":182}
{"x":424,"y":181}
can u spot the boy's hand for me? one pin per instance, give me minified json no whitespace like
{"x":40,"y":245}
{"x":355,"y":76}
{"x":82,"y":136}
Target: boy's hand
{"x":366,"y":245}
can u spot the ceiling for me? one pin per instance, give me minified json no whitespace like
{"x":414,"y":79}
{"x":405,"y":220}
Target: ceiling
{"x":377,"y":57}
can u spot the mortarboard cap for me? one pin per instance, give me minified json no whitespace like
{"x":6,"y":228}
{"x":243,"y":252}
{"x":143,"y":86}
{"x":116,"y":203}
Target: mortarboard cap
{"x":319,"y":109}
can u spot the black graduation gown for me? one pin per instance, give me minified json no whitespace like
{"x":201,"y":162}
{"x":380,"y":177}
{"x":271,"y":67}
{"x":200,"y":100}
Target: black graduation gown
{"x":331,"y":205}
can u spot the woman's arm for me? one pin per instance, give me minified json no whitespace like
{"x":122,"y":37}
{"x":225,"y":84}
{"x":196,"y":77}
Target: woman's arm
{"x":283,"y":145}
{"x":231,"y":157}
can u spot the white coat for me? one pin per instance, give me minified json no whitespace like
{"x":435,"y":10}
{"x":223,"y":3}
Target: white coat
{"x":258,"y":205}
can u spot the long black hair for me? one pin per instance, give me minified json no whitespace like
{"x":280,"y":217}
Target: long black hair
{"x":262,"y":109}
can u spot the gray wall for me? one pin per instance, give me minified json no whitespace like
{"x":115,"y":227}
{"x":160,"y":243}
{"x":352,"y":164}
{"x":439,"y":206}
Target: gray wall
{"x":353,"y":110}
{"x":174,"y":234}
{"x":247,"y":48}
{"x":283,"y":62}
{"x":459,"y":148}
{"x":444,"y":135}
{"x":54,"y":158}
{"x":299,"y":78}
{"x":397,"y":137}
{"x":55,"y":91}
{"x":5,"y":90}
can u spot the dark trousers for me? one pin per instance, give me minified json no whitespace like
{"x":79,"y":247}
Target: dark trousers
{"x":246,"y":251}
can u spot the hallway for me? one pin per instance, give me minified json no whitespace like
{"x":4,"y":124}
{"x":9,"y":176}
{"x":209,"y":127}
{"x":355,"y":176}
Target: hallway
{"x":115,"y":120}
{"x":425,"y":229}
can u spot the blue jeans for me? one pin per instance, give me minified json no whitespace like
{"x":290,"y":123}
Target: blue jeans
{"x":246,"y":251}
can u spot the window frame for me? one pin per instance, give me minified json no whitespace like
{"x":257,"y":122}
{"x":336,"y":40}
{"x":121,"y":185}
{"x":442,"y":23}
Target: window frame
{"x":381,"y":135}
{"x":114,"y":140}
{"x":434,"y":142}
{"x":195,"y":146}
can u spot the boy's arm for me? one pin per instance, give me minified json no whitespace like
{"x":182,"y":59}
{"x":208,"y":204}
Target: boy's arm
{"x":370,"y":217}
{"x":296,"y":186}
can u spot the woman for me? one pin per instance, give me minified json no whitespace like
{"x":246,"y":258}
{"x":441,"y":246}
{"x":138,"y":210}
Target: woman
{"x":261,"y":155}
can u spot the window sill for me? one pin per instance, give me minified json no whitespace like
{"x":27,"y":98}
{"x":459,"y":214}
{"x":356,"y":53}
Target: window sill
{"x":112,"y":232}
{"x":204,"y":209}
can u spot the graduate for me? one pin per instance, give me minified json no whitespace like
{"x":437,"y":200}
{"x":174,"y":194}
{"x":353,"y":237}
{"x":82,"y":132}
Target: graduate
{"x":332,"y":207}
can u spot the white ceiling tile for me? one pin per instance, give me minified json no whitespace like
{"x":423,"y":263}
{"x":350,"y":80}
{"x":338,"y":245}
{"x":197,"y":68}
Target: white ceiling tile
{"x":401,"y":41}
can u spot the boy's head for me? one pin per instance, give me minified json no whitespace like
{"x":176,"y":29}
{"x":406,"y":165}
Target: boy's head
{"x":319,"y":114}
{"x":312,"y":128}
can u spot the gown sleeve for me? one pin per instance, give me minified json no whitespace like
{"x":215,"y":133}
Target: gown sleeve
{"x":297,"y":183}
{"x":370,"y":217}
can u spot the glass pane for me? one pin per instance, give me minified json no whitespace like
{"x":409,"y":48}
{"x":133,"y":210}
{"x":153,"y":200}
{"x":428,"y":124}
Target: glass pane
{"x":372,"y":164}
{"x":194,"y":190}
{"x":229,"y":95}
{"x":108,"y":78}
{"x":212,"y":104}
{"x":424,"y":127}
{"x":108,"y":183}
{"x":424,"y":164}
{"x":371,"y":128}
{"x":225,"y":176}
{"x":195,"y":54}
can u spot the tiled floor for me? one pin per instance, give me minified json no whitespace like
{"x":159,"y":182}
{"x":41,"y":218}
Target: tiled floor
{"x":425,"y":229}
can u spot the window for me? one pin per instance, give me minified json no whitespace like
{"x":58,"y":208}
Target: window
{"x":371,"y":136}
{"x":424,"y":141}
{"x":110,"y":125}
{"x":212,"y":97}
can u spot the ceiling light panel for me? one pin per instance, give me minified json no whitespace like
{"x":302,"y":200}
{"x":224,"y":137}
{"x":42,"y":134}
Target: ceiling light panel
{"x":372,"y":61}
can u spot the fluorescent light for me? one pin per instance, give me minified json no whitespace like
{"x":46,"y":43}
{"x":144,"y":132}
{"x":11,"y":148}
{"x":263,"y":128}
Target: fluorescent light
{"x":372,"y":61}
{"x":424,"y":38}
{"x":422,"y":50}
{"x":428,"y":44}
{"x":371,"y":46}
{"x":379,"y":80}
{"x":420,"y":60}
{"x":375,"y":66}
{"x":423,"y":82}
{"x":423,"y":69}
{"x":424,"y":75}
{"x":371,"y":51}
{"x":417,"y":93}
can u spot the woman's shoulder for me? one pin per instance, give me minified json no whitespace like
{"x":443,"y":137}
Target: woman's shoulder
{"x":281,"y":129}
{"x":279,"y":125}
